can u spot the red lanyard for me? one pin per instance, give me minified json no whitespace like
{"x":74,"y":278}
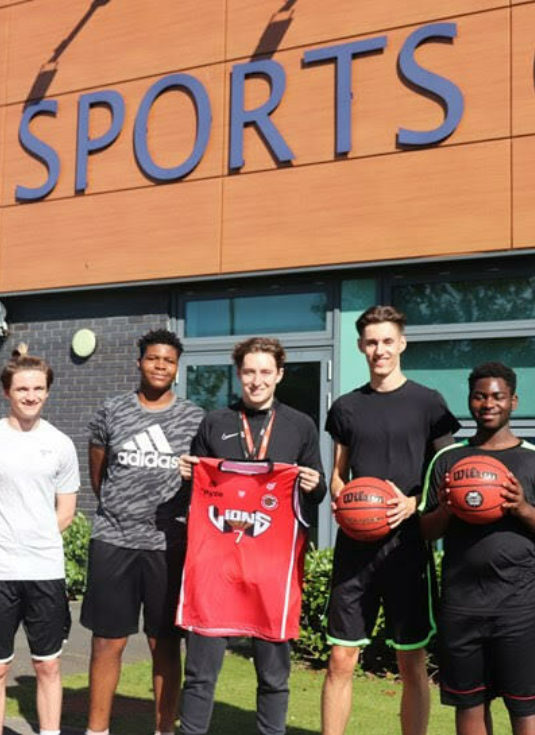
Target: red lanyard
{"x":250,"y":449}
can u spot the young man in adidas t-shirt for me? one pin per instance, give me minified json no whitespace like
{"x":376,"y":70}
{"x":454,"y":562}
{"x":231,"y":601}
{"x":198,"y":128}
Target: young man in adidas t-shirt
{"x":388,"y":429}
{"x":39,"y":480}
{"x":138,"y":539}
{"x":487,"y":621}
{"x":256,"y":427}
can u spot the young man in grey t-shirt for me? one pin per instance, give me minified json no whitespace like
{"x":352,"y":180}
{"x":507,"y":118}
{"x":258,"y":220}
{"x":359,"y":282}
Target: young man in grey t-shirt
{"x":138,"y":538}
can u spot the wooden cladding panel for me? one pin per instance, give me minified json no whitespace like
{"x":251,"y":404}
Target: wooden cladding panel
{"x":262,"y":27}
{"x":523,"y":49}
{"x":382,"y":103}
{"x":172,"y":129}
{"x":4,"y":36}
{"x":120,"y":40}
{"x":164,"y":232}
{"x":432,"y":202}
{"x":524,"y":192}
{"x":447,"y":200}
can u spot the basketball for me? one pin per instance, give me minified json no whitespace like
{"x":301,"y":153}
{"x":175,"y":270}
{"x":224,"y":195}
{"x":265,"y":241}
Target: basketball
{"x":475,"y":487}
{"x":361,"y":508}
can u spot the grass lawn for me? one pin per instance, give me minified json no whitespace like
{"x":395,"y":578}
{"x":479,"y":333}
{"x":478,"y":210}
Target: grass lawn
{"x":375,"y":711}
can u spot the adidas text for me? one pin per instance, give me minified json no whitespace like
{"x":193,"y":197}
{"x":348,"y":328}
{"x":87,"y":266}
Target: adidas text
{"x":148,"y":459}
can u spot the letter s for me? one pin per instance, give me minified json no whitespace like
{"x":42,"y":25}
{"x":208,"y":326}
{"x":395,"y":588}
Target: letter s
{"x":39,"y":150}
{"x":447,"y":93}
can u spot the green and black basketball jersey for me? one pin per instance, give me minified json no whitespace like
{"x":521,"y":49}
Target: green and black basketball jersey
{"x":487,"y":568}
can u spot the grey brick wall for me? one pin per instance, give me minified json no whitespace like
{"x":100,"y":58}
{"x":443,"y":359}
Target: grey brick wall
{"x":47,"y":324}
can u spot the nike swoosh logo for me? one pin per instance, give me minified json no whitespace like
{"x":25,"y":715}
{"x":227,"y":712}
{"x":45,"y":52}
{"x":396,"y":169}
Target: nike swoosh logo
{"x":224,"y":437}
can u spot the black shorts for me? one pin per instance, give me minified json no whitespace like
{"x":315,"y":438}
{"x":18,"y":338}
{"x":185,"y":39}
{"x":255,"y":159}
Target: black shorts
{"x":396,"y":575}
{"x":122,"y":581}
{"x":43,"y":609}
{"x":482,"y":657}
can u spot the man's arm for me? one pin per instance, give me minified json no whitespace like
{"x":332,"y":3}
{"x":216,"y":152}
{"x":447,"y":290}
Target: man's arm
{"x":98,"y":460}
{"x":200,"y":447}
{"x":516,"y":504}
{"x":65,"y":509}
{"x":435,"y":524}
{"x":340,"y":475}
{"x":311,"y":476}
{"x":435,"y":508}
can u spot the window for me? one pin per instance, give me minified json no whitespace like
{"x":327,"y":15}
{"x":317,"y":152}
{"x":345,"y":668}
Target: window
{"x":249,"y":314}
{"x":458,"y":323}
{"x":446,"y":364}
{"x":454,"y":302}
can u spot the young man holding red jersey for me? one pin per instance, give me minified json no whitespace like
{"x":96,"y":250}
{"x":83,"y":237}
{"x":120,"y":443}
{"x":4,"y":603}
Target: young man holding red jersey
{"x":257,"y":427}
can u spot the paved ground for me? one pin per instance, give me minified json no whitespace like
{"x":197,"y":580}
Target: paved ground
{"x":74,"y":661}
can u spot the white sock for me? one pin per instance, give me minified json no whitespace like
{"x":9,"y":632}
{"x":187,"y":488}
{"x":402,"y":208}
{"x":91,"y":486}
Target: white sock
{"x":163,"y":733}
{"x":96,"y":732}
{"x":49,"y":732}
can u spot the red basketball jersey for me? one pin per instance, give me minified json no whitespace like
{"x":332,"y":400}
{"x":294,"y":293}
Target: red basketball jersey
{"x":246,"y":545}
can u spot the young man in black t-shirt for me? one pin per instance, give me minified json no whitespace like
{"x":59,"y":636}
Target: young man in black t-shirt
{"x":487,"y":625}
{"x":256,"y":427}
{"x":388,"y":429}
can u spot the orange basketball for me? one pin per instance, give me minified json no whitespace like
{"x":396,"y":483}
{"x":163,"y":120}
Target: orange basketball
{"x":361,"y":508}
{"x":476,"y":484}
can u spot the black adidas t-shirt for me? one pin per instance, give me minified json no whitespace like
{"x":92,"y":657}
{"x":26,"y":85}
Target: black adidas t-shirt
{"x":390,"y":435}
{"x":487,"y":569}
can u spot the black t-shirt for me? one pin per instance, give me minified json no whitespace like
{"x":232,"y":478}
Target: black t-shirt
{"x":390,"y":435}
{"x":489,"y":568}
{"x":294,"y":439}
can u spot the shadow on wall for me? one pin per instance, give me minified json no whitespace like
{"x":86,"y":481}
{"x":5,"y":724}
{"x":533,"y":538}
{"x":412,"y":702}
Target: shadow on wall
{"x":49,"y":69}
{"x":276,"y":29}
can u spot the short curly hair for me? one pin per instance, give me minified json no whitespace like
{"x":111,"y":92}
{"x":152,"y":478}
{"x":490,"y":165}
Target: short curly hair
{"x":493,"y":370}
{"x":159,"y":337}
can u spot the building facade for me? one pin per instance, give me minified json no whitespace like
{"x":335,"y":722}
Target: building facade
{"x":229,"y":168}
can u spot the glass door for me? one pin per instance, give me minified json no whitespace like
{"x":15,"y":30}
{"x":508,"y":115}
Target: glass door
{"x":210,"y":381}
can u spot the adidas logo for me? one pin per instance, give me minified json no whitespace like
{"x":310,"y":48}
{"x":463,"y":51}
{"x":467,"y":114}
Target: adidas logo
{"x":148,"y":449}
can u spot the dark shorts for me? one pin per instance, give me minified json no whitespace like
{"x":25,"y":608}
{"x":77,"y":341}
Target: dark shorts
{"x":396,"y":575}
{"x":482,"y":657}
{"x":122,"y":581}
{"x":43,"y":609}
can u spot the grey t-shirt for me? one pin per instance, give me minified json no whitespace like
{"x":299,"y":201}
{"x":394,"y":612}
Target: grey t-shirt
{"x":142,"y":501}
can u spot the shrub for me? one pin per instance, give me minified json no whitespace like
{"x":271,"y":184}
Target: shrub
{"x":76,"y":546}
{"x":312,"y":644}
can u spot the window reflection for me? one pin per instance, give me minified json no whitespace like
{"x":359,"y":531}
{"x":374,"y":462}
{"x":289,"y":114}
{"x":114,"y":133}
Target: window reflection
{"x":445,"y":366}
{"x":456,"y":302}
{"x":278,"y":313}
